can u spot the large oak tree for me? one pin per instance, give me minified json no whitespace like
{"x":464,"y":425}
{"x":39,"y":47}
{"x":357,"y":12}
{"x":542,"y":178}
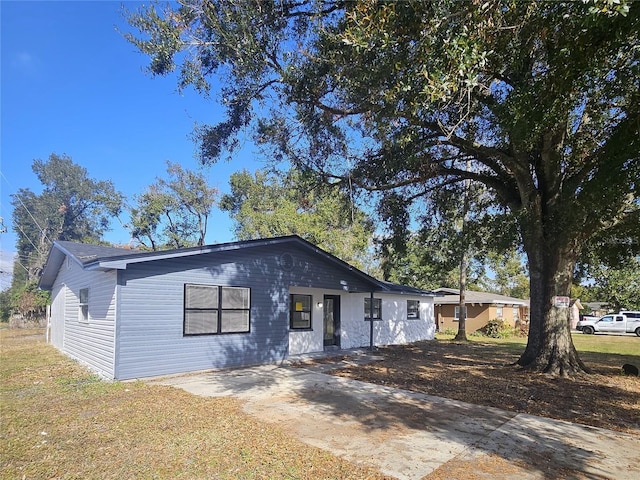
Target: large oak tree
{"x":540,"y":99}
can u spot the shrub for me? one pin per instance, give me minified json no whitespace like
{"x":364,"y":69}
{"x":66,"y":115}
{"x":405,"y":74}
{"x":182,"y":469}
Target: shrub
{"x":27,"y":306}
{"x":498,"y":328}
{"x":449,"y":331}
{"x":522,"y":328}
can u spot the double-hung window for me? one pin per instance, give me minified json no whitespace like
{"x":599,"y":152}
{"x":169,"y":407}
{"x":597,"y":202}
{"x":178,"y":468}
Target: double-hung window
{"x":213,"y":309}
{"x":83,"y":305}
{"x":376,"y":314}
{"x":413,"y":309}
{"x":300,"y":312}
{"x":456,"y":313}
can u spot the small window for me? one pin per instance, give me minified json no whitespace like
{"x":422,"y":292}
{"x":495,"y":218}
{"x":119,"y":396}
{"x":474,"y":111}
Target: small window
{"x":619,"y":318}
{"x":300,"y":312}
{"x":211,"y":309}
{"x":413,"y":309}
{"x":499,"y":311}
{"x":516,"y":313}
{"x":456,"y":313}
{"x":83,"y":300}
{"x":377,"y":308}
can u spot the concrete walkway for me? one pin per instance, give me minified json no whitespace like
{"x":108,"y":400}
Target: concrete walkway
{"x":408,"y":435}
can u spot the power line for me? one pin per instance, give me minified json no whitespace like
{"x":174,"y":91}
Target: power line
{"x":28,"y":211}
{"x":27,"y":237}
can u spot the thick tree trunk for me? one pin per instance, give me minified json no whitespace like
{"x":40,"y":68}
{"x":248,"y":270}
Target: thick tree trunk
{"x":550,"y":347}
{"x":551,"y":239}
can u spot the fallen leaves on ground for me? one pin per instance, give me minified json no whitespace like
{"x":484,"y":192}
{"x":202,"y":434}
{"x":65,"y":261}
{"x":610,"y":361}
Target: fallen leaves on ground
{"x":484,"y":374}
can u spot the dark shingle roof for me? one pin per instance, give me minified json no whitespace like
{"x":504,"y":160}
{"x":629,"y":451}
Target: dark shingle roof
{"x":92,"y":256}
{"x":452,"y":297}
{"x":86,"y":253}
{"x":405,"y":289}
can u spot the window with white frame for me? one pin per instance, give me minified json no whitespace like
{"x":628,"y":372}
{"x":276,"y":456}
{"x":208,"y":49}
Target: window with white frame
{"x":516,"y":312}
{"x":83,"y":305}
{"x":456,"y":313}
{"x":500,"y":311}
{"x":214,"y":309}
{"x":377,"y":308}
{"x":413,"y":309}
{"x":300,"y":312}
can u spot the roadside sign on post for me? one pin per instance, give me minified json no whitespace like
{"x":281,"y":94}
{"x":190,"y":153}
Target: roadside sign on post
{"x":561,"y":302}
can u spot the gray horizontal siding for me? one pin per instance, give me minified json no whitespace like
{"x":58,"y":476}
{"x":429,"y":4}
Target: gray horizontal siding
{"x":315,"y":271}
{"x":92,"y":342}
{"x":150,"y":334}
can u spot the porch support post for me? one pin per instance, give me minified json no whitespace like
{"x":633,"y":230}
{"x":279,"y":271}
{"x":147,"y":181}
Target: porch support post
{"x":371,"y":323}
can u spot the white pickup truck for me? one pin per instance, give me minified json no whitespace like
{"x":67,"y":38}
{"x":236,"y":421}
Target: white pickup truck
{"x":623,"y":322}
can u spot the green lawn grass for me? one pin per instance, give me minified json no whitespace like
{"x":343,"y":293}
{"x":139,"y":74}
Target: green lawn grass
{"x":623,"y":345}
{"x":617,"y":344}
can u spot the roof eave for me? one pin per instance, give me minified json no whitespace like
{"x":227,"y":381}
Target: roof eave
{"x":126,"y":260}
{"x":56,"y":258}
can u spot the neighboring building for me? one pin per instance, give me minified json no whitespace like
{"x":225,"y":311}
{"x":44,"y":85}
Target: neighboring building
{"x":574,"y":313}
{"x":595,"y":309}
{"x":129,"y":314}
{"x":481,"y":307}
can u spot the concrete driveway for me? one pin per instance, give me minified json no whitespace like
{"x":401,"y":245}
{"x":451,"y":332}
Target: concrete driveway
{"x":408,"y":435}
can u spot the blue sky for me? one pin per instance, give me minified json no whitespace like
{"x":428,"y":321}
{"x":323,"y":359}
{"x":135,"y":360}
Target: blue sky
{"x":71,"y":84}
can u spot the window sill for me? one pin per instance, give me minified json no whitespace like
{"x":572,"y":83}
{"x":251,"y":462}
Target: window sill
{"x":216,"y":334}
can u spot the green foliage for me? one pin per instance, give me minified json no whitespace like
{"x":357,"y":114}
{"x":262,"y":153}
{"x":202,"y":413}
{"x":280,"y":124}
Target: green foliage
{"x":541,"y":99}
{"x":173,"y":212}
{"x":431,"y":257}
{"x":618,"y":287}
{"x":29,"y":302}
{"x":5,"y":305}
{"x":584,"y":293}
{"x":71,"y":207}
{"x":509,"y":275}
{"x":428,"y":260}
{"x":274,"y":204}
{"x":498,"y":328}
{"x":407,"y":91}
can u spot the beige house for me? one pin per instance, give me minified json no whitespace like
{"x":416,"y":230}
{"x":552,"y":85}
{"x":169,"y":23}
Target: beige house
{"x":481,"y":307}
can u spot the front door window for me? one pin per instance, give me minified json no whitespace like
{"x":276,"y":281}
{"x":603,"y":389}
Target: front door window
{"x":331,"y":314}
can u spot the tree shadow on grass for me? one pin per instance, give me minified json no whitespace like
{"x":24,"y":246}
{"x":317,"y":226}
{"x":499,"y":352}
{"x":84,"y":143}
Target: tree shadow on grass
{"x":409,"y":434}
{"x":485,"y":375}
{"x":536,"y":444}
